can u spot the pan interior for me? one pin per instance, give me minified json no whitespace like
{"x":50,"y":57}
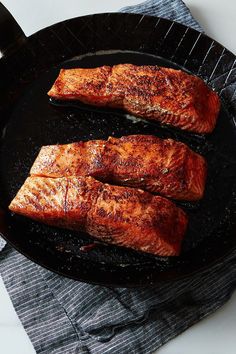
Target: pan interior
{"x":35,"y":121}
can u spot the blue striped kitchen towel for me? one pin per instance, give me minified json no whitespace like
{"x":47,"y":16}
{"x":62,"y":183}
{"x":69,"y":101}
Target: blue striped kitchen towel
{"x":63,"y":316}
{"x":2,"y":243}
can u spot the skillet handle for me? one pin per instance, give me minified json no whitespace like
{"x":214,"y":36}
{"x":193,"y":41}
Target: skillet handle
{"x":11,"y":35}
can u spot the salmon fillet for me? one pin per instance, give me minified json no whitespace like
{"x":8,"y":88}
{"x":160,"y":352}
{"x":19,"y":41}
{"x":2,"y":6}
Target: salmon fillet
{"x":166,"y":167}
{"x":119,"y":215}
{"x":167,"y":95}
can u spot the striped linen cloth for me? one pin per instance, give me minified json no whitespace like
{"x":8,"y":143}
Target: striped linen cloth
{"x":62,"y":316}
{"x":2,"y":243}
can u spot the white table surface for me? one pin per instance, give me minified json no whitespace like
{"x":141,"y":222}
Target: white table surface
{"x":213,"y":335}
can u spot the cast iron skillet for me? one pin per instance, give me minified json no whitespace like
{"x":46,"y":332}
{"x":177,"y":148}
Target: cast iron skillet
{"x":28,"y":121}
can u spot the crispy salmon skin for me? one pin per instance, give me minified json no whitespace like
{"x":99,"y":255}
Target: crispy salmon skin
{"x":166,"y":167}
{"x":119,"y":215}
{"x":167,"y":95}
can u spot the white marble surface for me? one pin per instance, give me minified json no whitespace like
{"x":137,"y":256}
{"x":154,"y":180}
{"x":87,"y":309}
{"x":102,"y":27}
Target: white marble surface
{"x":213,"y":335}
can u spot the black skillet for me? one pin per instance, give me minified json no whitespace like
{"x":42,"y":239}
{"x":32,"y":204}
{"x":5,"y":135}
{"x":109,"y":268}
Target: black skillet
{"x":28,"y":120}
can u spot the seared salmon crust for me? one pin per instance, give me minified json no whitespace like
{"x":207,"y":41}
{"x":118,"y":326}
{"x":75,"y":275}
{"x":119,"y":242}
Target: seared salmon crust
{"x":119,"y":215}
{"x":165,"y":167}
{"x":167,"y":95}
